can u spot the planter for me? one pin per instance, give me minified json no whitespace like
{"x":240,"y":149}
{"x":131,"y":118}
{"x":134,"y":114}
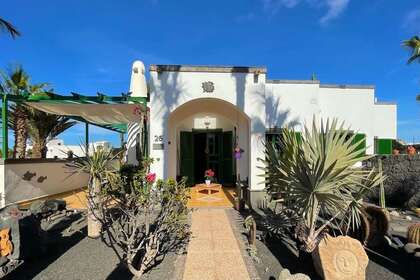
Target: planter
{"x":208,"y":182}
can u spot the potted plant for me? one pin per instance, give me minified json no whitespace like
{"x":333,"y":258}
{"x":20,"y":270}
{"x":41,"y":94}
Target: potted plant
{"x":208,"y":176}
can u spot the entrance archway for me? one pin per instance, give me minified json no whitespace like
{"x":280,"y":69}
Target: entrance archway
{"x":202,"y":134}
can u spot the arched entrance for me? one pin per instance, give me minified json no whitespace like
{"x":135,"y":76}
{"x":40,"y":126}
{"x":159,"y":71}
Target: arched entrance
{"x":202,"y":134}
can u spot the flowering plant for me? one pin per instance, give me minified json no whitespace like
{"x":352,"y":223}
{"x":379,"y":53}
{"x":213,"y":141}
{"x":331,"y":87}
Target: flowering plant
{"x":151,"y":177}
{"x":209,"y":174}
{"x":238,"y":152}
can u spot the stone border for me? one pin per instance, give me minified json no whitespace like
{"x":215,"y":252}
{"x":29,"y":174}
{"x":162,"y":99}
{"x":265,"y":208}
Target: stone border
{"x":182,"y":258}
{"x":241,"y":239}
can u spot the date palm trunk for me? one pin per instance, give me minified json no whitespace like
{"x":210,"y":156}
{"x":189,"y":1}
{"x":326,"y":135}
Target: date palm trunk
{"x":39,"y":149}
{"x":21,"y":133}
{"x":94,"y":209}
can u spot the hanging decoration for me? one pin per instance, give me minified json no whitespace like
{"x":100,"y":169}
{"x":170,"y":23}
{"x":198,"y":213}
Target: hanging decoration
{"x":238,"y":152}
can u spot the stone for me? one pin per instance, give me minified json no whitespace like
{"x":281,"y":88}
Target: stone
{"x":412,"y":248}
{"x":394,"y":213}
{"x":286,"y":275}
{"x":340,"y":258}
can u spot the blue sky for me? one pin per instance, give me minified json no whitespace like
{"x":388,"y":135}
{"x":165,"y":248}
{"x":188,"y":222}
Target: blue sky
{"x":88,"y":46}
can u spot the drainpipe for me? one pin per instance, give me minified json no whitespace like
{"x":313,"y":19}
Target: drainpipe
{"x":5,"y":146}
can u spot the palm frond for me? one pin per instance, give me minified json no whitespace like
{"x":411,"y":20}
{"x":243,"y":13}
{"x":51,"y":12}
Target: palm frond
{"x":7,"y":26}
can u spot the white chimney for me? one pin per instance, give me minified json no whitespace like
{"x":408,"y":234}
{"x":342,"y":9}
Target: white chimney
{"x":138,"y":85}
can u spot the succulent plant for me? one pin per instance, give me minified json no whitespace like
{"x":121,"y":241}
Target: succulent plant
{"x":413,"y":234}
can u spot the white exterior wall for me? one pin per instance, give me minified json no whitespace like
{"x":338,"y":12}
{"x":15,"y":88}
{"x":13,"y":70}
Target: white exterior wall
{"x":31,"y":179}
{"x":385,"y":121}
{"x":297,"y":102}
{"x":264,"y":104}
{"x":170,"y":90}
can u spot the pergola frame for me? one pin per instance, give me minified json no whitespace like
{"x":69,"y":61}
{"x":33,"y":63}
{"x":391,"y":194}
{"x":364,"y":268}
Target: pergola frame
{"x":74,"y":98}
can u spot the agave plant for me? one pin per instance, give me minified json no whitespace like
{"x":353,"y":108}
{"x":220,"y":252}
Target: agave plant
{"x":102,"y":170}
{"x":318,"y":179}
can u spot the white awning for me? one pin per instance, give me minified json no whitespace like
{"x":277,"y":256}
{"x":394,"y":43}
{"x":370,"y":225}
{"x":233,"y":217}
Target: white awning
{"x":103,"y":114}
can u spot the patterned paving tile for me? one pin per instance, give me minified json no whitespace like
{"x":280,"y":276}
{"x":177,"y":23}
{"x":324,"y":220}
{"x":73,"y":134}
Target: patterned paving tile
{"x":213,"y":252}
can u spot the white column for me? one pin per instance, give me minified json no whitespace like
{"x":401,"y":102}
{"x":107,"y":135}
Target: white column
{"x":138,"y":88}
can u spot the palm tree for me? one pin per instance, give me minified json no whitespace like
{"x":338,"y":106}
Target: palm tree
{"x":100,"y":165}
{"x":17,"y":82}
{"x":414,"y":45}
{"x":8,"y":27}
{"x":43,"y":127}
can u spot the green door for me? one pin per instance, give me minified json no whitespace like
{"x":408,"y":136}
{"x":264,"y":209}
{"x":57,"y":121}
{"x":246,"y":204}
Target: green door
{"x":227,"y":159}
{"x":187,"y":156}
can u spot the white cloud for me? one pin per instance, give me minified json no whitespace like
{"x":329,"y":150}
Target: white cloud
{"x":335,"y":9}
{"x":272,"y":6}
{"x":412,"y":21}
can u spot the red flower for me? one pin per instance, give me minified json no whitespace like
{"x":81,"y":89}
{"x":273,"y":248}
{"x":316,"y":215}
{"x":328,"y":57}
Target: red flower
{"x":209,"y":173}
{"x":151,"y":177}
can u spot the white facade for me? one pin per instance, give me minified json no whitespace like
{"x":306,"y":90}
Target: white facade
{"x":57,"y":148}
{"x":241,"y":99}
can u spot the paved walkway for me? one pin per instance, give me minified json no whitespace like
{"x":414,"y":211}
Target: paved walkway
{"x":213,"y":251}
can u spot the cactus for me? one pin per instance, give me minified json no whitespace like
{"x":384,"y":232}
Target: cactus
{"x":413,"y":234}
{"x":379,"y":225}
{"x":251,"y":227}
{"x":381,"y":187}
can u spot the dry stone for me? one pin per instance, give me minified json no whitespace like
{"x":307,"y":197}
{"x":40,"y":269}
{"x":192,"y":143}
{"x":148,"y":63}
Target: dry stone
{"x":286,"y":275}
{"x":340,"y":258}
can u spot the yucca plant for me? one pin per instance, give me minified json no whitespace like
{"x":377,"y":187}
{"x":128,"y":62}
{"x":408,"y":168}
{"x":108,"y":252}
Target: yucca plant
{"x":318,"y":179}
{"x":100,"y":164}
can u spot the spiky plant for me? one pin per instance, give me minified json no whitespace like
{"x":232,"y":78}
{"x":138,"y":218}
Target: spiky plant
{"x":101,"y":167}
{"x":318,"y":179}
{"x":414,"y":45}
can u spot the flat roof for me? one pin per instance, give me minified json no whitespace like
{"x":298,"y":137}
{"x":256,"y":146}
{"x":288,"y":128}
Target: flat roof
{"x":208,"y":68}
{"x":347,"y":86}
{"x":292,"y":81}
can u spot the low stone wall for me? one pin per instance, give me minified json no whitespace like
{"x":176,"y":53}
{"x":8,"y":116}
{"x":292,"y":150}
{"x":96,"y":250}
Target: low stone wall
{"x":29,"y":179}
{"x":402,"y":186}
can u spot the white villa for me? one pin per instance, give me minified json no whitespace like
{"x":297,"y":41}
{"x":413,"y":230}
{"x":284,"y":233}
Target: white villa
{"x":199,"y":114}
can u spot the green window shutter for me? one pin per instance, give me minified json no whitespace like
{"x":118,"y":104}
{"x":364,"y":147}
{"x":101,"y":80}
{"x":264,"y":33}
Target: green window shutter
{"x":187,"y":156}
{"x":227,"y":159}
{"x":362,"y":146}
{"x":384,"y":147}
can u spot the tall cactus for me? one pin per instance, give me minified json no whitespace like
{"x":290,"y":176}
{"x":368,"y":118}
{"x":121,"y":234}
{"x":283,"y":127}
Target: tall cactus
{"x":381,"y":187}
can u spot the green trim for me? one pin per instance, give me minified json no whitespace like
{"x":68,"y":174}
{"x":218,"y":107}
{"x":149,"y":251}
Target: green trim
{"x":5,"y":128}
{"x":87,"y":139}
{"x":383,"y":146}
{"x":360,"y":137}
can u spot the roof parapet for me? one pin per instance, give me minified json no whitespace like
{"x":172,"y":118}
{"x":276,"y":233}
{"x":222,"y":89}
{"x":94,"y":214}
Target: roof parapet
{"x":292,"y":81}
{"x":347,"y":86}
{"x":208,"y":68}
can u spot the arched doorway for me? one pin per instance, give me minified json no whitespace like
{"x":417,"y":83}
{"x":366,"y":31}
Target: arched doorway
{"x":202,"y":134}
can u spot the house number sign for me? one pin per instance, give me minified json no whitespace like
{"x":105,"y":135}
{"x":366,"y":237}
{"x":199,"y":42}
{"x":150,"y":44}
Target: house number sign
{"x":158,"y":138}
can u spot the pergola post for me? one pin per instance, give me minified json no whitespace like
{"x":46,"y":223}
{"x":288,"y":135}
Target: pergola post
{"x":5,"y":142}
{"x":87,"y":138}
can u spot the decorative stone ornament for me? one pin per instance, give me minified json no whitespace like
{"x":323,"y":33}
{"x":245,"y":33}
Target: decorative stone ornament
{"x":340,"y":258}
{"x":208,"y":86}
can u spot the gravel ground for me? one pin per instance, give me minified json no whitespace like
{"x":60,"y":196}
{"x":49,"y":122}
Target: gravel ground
{"x":384,"y":264}
{"x":76,"y":257}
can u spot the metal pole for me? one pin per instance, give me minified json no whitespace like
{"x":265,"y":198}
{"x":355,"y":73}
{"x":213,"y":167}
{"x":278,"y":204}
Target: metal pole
{"x":87,"y":139}
{"x":5,"y":146}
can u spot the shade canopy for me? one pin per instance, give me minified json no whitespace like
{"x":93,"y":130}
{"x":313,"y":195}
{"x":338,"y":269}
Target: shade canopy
{"x":110,"y":112}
